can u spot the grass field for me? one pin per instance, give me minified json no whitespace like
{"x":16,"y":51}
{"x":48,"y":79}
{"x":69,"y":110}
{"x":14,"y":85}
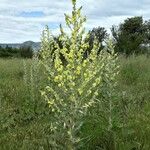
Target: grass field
{"x":25,"y":117}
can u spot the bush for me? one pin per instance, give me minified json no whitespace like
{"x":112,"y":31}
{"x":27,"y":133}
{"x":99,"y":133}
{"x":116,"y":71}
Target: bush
{"x":26,"y":52}
{"x":10,"y":52}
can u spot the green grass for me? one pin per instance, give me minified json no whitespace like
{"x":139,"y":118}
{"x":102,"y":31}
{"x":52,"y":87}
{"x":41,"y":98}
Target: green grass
{"x":25,"y":117}
{"x":135,"y":78}
{"x":22,"y":116}
{"x":131,"y":129}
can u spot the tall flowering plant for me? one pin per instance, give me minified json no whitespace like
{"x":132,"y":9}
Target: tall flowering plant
{"x":74,"y":82}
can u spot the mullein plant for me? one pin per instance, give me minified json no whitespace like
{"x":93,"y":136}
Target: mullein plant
{"x":34,"y":82}
{"x":73,"y":83}
{"x":106,"y":113}
{"x":31,"y":80}
{"x":25,"y":72}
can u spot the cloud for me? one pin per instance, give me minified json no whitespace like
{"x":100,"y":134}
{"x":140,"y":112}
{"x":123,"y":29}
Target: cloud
{"x":22,"y":20}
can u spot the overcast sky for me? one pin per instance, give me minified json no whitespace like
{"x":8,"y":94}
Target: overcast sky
{"x":22,"y":20}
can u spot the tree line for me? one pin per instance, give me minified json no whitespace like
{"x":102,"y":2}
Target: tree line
{"x":130,"y":37}
{"x":10,"y":52}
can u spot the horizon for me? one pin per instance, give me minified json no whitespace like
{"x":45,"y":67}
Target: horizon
{"x":25,"y":20}
{"x":21,"y":42}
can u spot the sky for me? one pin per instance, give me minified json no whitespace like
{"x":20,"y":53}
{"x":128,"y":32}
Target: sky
{"x":23,"y":20}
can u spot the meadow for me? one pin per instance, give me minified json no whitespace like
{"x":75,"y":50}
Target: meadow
{"x":25,"y":115}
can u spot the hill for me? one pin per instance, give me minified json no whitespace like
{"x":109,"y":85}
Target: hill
{"x":34,"y":45}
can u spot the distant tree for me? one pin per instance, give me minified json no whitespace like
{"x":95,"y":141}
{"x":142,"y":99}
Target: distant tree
{"x":9,"y":51}
{"x":1,"y":49}
{"x":129,"y":35}
{"x":147,"y":34}
{"x":100,"y":34}
{"x":26,"y":52}
{"x":4,"y":52}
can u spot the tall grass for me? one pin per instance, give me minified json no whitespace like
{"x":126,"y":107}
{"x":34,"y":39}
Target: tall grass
{"x":24,"y":127}
{"x":131,"y":127}
{"x":22,"y":111}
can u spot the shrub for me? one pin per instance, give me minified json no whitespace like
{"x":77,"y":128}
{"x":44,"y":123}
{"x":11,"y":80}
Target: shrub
{"x":26,"y":52}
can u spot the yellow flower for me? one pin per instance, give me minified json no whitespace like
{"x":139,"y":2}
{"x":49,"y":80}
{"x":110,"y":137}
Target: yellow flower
{"x":73,"y":84}
{"x":80,"y":91}
{"x":84,"y":63}
{"x":89,"y":91}
{"x":94,"y":84}
{"x":56,"y":79}
{"x":69,"y":77}
{"x":98,"y":80}
{"x":94,"y":73}
{"x":43,"y":93}
{"x":51,"y":102}
{"x":96,"y":93}
{"x":70,"y":55}
{"x":59,"y":85}
{"x":60,"y":77}
{"x":78,"y":71}
{"x":60,"y":68}
{"x":68,"y":66}
{"x":78,"y":68}
{"x":85,"y":75}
